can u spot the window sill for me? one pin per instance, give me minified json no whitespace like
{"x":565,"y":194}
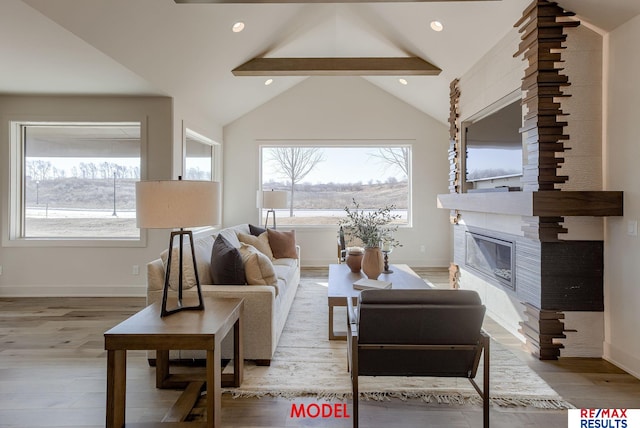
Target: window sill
{"x":95,"y":243}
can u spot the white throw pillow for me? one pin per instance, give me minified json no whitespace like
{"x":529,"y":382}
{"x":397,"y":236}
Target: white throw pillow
{"x":203,"y":256}
{"x":258,"y":269}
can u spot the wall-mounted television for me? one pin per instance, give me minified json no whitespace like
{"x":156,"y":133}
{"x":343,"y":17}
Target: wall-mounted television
{"x":494,"y":145}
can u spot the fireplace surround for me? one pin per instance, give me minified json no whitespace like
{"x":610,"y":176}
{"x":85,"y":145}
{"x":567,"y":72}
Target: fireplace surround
{"x":549,"y":280}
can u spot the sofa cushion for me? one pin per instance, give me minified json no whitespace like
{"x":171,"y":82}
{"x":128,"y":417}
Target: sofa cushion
{"x":258,"y":269}
{"x":230,"y":235}
{"x":283,"y":243}
{"x":256,"y":230}
{"x":202,"y":250}
{"x":261,"y":243}
{"x":226,"y":263}
{"x":291,"y":263}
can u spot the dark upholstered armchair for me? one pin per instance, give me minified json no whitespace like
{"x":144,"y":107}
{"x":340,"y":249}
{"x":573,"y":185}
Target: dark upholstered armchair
{"x":418,"y":333}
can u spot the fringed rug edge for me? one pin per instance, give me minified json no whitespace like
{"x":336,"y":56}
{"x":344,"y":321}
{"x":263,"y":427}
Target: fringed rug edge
{"x":450,"y":398}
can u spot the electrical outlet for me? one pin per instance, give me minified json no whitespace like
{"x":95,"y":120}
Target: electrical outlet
{"x":632,"y":228}
{"x":135,"y":270}
{"x":423,"y":249}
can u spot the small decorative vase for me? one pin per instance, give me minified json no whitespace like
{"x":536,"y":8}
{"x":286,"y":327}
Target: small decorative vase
{"x":354,"y":260}
{"x":372,"y":262}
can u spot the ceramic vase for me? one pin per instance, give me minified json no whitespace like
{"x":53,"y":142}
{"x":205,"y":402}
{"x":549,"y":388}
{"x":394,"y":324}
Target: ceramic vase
{"x":372,"y":262}
{"x":354,"y":261}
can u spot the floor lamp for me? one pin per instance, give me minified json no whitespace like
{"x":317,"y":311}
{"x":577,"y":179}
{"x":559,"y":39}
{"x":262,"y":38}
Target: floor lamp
{"x":273,"y":199}
{"x":176,"y":204}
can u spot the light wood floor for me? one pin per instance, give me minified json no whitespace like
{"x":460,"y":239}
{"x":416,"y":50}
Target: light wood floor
{"x":53,"y":371}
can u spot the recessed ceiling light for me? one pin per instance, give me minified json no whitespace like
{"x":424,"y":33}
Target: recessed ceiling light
{"x":237,"y":27}
{"x":268,"y":82}
{"x":403,"y":81}
{"x":436,"y":26}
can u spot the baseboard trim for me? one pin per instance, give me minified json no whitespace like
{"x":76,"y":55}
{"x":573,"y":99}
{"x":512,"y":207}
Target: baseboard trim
{"x":622,"y":359}
{"x":73,"y":291}
{"x":426,"y":263}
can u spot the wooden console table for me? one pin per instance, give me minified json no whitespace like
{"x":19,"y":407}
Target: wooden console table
{"x":193,"y":330}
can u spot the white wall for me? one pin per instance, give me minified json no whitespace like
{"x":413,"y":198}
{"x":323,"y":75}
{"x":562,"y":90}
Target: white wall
{"x":583,"y":163}
{"x":622,"y":172}
{"x":495,"y":77}
{"x":55,"y":271}
{"x":186,"y":116}
{"x":343,"y":108}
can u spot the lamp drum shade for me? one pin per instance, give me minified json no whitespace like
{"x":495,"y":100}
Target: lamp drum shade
{"x":274,"y":199}
{"x":169,"y":204}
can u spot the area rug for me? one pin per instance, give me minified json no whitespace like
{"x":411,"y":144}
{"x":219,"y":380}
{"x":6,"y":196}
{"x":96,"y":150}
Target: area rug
{"x":306,"y":363}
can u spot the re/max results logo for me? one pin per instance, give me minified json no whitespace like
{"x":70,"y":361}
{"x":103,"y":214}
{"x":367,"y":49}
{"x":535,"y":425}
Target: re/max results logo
{"x":604,"y":418}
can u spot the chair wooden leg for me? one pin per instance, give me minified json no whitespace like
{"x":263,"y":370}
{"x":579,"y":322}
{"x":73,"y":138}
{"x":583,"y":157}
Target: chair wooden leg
{"x":352,"y":363}
{"x":485,"y":389}
{"x":356,"y":396}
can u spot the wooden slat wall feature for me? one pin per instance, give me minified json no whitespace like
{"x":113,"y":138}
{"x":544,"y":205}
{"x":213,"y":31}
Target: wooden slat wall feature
{"x":542,"y":26}
{"x":454,"y":275}
{"x":337,"y":66}
{"x":455,"y":174}
{"x":543,"y":34}
{"x":544,"y":229}
{"x":541,"y":329}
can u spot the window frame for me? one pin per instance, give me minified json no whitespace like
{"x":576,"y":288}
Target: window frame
{"x":346,"y":143}
{"x":216,"y":167}
{"x":13,"y":235}
{"x":188,"y":132}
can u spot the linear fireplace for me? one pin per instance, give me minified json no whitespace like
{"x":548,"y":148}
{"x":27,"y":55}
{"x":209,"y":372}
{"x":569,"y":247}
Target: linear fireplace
{"x":491,"y":257}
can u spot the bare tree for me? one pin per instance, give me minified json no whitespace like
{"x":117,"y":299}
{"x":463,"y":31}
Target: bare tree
{"x":84,"y":169}
{"x":59,"y":172}
{"x":394,"y":157}
{"x":295,"y":163}
{"x":92,"y":169}
{"x":39,"y":169}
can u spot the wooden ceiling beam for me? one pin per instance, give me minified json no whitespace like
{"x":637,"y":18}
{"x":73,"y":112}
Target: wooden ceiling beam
{"x":342,"y":66}
{"x":321,"y":1}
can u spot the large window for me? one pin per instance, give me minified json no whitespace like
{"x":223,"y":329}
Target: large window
{"x":322,"y":180}
{"x":199,"y":157}
{"x":76,"y":180}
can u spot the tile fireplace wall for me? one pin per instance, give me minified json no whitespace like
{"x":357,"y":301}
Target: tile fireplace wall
{"x":555,"y":292}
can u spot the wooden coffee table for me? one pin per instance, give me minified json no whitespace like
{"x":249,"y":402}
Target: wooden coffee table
{"x":341,"y":281}
{"x":192,"y":329}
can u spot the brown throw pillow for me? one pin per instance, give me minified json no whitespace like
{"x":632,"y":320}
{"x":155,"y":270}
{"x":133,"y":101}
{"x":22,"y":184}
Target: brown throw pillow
{"x":261,"y":243}
{"x":283,"y":244}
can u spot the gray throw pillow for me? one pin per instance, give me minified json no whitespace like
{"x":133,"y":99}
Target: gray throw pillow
{"x":256,"y":230}
{"x":226,"y":263}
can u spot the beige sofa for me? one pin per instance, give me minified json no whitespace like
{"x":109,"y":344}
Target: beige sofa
{"x":265,"y":306}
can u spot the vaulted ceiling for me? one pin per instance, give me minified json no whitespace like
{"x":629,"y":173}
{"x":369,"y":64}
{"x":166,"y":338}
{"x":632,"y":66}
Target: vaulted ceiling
{"x":158,"y":47}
